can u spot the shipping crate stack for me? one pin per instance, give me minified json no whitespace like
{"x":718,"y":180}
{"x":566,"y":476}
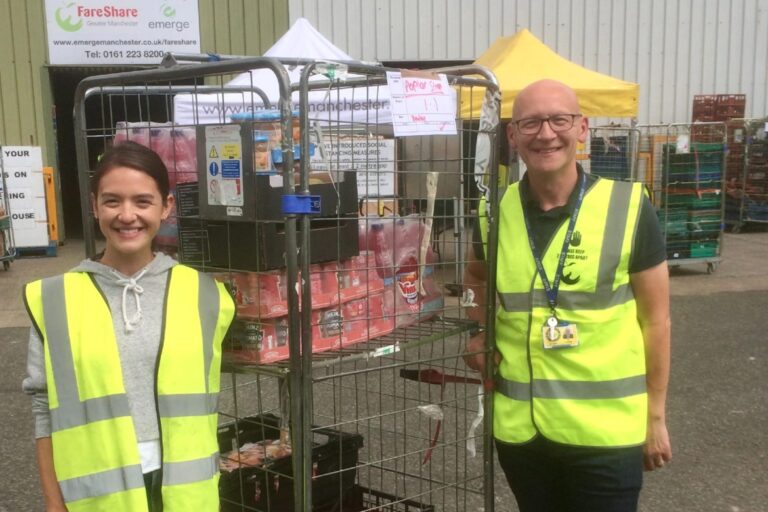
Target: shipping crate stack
{"x":734,"y":171}
{"x":691,"y":213}
{"x":715,"y":108}
{"x":756,"y":179}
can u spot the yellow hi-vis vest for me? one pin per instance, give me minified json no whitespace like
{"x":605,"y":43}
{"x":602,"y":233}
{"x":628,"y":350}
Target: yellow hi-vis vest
{"x":593,"y":394}
{"x":95,"y":450}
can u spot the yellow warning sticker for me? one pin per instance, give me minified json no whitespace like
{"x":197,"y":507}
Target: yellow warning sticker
{"x":213,"y":153}
{"x":231,"y":151}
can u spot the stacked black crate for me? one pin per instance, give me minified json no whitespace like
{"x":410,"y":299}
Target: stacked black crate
{"x":734,"y":171}
{"x":609,"y":157}
{"x":756,"y":176}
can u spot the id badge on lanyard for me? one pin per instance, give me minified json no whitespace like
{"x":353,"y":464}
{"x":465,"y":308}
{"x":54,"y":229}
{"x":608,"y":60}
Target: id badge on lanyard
{"x":557,"y":333}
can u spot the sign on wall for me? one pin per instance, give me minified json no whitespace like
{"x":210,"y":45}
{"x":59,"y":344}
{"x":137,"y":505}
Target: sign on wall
{"x":372,"y":158}
{"x":94,"y":32}
{"x":23,"y":169}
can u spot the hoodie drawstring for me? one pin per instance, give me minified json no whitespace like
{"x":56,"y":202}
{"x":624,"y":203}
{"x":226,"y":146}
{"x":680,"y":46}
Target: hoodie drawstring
{"x":130,"y":284}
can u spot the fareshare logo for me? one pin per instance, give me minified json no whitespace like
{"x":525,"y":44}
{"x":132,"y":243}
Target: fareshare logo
{"x":168,"y":10}
{"x":64,"y":16}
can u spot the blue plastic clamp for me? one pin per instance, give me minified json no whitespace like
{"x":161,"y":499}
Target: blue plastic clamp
{"x":295,"y":204}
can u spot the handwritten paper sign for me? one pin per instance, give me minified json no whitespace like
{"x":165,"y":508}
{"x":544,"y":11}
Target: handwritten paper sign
{"x":422,"y":103}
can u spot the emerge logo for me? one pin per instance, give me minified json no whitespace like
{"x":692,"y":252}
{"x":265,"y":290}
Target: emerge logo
{"x":168,"y":10}
{"x":66,"y":23}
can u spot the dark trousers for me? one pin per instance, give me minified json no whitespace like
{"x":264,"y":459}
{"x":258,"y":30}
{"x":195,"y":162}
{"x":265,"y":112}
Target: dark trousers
{"x":551,"y":477}
{"x":153,"y":482}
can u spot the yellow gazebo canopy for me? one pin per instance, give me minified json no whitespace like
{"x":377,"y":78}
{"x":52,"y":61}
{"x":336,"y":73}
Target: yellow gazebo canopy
{"x":522,"y":59}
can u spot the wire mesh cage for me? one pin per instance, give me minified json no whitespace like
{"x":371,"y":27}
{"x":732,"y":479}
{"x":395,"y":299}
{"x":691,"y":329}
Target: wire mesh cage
{"x":683,"y":165}
{"x":343,"y":247}
{"x":746,"y":173}
{"x":613,"y":153}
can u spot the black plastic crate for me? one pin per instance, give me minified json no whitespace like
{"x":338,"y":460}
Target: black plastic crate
{"x":361,"y":498}
{"x":269,"y":487}
{"x":257,"y":246}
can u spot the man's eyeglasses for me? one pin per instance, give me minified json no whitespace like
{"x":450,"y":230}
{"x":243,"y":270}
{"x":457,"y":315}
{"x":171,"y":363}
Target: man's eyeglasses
{"x":558,"y":123}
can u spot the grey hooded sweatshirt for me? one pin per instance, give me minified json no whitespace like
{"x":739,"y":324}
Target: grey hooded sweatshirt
{"x":136,"y":303}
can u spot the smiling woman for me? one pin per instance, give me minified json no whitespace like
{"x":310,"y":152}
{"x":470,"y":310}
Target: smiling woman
{"x":147,"y":336}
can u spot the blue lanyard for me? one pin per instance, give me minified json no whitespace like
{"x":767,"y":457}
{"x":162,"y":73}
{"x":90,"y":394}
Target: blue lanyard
{"x":552,"y":288}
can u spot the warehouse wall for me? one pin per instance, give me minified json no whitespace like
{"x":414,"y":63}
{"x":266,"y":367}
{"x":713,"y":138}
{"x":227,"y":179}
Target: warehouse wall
{"x":241,"y":27}
{"x":25,"y":105}
{"x":246,"y":27}
{"x":672,"y":48}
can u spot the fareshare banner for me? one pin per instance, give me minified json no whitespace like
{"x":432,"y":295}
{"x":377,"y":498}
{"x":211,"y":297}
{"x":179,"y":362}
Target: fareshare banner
{"x":104,"y":32}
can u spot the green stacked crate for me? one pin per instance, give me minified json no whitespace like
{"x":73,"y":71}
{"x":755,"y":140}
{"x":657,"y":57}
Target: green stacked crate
{"x":674,"y":223}
{"x":704,"y":224}
{"x":692,"y":201}
{"x":704,"y":249}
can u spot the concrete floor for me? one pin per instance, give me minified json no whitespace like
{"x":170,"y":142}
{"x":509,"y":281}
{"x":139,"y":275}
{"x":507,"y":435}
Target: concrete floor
{"x":718,"y":399}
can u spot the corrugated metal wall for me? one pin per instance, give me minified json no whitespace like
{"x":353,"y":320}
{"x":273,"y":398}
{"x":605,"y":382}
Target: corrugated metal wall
{"x":241,"y":27}
{"x":23,"y":117}
{"x":672,"y":48}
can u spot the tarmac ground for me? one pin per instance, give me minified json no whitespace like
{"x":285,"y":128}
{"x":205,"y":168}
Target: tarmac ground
{"x":717,"y":406}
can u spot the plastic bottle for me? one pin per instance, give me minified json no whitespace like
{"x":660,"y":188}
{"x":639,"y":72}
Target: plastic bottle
{"x":407,"y":303}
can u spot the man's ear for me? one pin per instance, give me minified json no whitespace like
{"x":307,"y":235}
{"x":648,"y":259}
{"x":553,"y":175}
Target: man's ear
{"x":511,"y":135}
{"x":583,"y":129}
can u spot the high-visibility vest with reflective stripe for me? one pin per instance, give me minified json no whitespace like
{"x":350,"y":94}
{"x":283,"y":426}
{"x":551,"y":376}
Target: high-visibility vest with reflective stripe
{"x":593,"y":394}
{"x":95,"y":451}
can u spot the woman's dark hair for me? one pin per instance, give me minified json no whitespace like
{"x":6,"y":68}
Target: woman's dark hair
{"x":134,"y":156}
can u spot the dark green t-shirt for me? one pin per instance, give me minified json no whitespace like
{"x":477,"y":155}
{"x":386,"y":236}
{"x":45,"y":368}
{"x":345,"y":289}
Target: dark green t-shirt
{"x":648,"y":251}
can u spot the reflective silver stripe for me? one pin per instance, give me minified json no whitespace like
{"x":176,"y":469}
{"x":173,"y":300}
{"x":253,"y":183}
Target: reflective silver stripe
{"x":512,"y":389}
{"x":71,"y":412}
{"x":613,"y":237}
{"x":200,"y":404}
{"x":190,"y":471}
{"x":101,"y":484}
{"x":57,"y":337}
{"x":77,"y":414}
{"x":208,"y":307}
{"x":605,"y":389}
{"x":572,"y":390}
{"x":517,"y":302}
{"x":602,"y":299}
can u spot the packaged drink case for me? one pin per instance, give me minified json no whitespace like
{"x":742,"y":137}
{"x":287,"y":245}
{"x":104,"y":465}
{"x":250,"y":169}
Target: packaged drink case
{"x":258,"y":295}
{"x":329,"y":329}
{"x":358,"y":277}
{"x":176,"y":146}
{"x":266,"y":341}
{"x":258,"y":342}
{"x":324,"y":283}
{"x":367,"y":318}
{"x":396,"y":243}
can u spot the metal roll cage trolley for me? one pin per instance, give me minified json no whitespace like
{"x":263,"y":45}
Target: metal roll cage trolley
{"x":367,"y":404}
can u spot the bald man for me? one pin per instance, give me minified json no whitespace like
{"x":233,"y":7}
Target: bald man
{"x":582,"y":328}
